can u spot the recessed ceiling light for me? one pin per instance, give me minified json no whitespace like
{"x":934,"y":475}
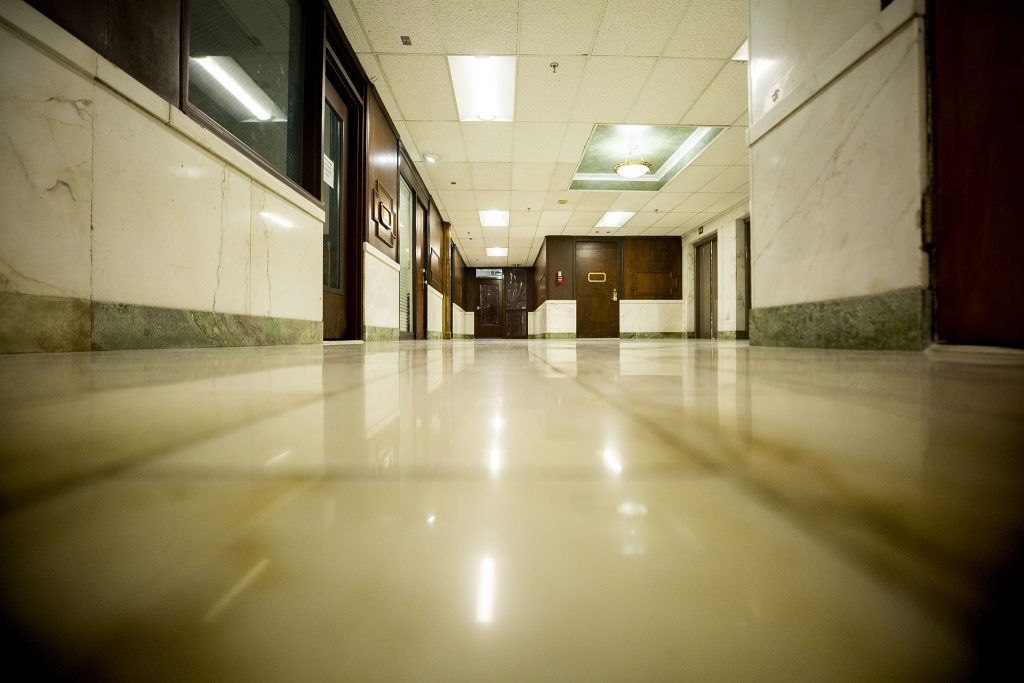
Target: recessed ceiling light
{"x":494,"y":219}
{"x":497,"y":251}
{"x":615,"y":219}
{"x":743,"y":53}
{"x":431,"y":158}
{"x":485,"y":87}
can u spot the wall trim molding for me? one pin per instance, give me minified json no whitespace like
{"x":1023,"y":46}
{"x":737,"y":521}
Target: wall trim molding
{"x":899,"y":321}
{"x":381,"y":256}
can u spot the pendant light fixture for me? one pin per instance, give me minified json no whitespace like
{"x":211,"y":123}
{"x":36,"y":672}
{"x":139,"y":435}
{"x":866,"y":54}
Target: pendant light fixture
{"x":632,"y":168}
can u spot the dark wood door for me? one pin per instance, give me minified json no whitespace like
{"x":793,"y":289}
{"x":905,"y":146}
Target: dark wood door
{"x":517,"y":302}
{"x":977,"y":243}
{"x":338,"y":307}
{"x":489,"y":320}
{"x":706,"y":291}
{"x":597,"y":289}
{"x":420,"y":272}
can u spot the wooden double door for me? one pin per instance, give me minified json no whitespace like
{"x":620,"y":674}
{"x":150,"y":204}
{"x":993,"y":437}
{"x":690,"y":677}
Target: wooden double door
{"x":503,"y":304}
{"x":598,"y":274}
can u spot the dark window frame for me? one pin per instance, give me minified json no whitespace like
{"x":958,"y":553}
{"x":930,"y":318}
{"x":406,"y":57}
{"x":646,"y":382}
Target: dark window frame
{"x":313,"y":46}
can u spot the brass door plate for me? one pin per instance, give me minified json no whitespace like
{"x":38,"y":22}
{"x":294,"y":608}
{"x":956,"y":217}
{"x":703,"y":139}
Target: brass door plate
{"x":597,"y":277}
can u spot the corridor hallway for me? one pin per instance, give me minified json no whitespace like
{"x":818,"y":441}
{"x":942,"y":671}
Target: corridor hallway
{"x":537,"y":510}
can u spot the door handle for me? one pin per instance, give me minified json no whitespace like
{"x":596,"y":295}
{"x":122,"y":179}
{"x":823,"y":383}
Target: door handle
{"x":615,"y":294}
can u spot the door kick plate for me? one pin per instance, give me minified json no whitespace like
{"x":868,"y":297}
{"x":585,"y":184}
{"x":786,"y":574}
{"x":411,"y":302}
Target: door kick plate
{"x":597,"y":277}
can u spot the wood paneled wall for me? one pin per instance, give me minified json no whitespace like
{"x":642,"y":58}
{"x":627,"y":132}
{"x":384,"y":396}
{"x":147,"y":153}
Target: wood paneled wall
{"x":652,"y":268}
{"x":560,"y":253}
{"x":459,"y":281}
{"x":540,"y":276}
{"x":436,"y":248}
{"x":381,"y":178}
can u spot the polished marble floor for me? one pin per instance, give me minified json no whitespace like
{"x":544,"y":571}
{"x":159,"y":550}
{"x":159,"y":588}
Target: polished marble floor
{"x":511,"y":511}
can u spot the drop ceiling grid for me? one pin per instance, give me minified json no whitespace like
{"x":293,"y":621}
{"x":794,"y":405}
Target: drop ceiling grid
{"x":687,"y":42}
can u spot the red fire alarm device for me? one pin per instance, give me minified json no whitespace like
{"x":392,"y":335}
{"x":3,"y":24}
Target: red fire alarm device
{"x":559,"y":278}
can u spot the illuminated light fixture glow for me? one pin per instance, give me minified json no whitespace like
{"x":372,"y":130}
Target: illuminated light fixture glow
{"x":485,"y":591}
{"x":742,"y":53}
{"x":277,"y":220}
{"x":494,"y":219}
{"x":632,"y":168}
{"x":237,"y":82}
{"x":431,"y":158}
{"x":497,"y":251}
{"x":485,"y":87}
{"x":615,"y":219}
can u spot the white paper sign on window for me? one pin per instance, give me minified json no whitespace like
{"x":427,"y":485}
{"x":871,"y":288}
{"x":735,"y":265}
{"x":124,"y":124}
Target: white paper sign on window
{"x":328,"y":171}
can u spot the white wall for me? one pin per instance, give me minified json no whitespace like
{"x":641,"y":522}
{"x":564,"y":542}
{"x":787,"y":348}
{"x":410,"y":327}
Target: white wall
{"x":380,"y":289}
{"x":108,"y":193}
{"x":458,"y":321}
{"x":435,"y":311}
{"x":839,"y":160}
{"x":555,"y":317}
{"x":650,"y":316}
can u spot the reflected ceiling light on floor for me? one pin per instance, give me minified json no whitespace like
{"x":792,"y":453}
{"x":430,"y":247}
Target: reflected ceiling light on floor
{"x":630,"y":509}
{"x":431,"y":158}
{"x":233,"y":78}
{"x":615,"y":219}
{"x":485,"y":591}
{"x":485,"y":87}
{"x":612,"y":462}
{"x":494,"y":219}
{"x":497,"y":251}
{"x":743,"y":53}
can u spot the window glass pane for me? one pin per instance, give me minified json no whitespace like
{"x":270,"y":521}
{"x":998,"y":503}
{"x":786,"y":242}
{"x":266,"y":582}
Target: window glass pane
{"x":245,"y":72}
{"x":333,"y":167}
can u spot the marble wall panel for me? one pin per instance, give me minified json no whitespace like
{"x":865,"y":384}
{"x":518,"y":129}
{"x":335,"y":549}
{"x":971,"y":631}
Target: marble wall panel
{"x":638,"y":317}
{"x":46,"y":141}
{"x":380,"y":289}
{"x":435,"y":310}
{"x":837,"y":186}
{"x":560,"y":317}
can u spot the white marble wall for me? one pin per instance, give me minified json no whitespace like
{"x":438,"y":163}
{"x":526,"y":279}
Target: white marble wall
{"x":470,"y":323}
{"x":458,"y":321}
{"x":108,"y":193}
{"x":837,"y":184}
{"x":555,"y":317}
{"x":729,"y":271}
{"x":380,"y":289}
{"x":435,"y":310}
{"x":637,"y":316}
{"x":531,"y":323}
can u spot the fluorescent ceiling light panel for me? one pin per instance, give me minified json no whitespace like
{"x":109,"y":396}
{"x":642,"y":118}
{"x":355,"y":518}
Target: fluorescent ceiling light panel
{"x":485,"y":87}
{"x":494,"y":219}
{"x":743,"y":53}
{"x":615,"y":219}
{"x":497,"y":251}
{"x":233,"y":79}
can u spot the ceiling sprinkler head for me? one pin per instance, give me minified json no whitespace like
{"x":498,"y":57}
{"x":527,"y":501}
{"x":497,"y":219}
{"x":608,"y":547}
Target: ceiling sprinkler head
{"x":554,"y":67}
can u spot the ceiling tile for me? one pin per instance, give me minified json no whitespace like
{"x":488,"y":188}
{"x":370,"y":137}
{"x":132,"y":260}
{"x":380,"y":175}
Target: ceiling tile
{"x":665,"y":201}
{"x":742,"y":120}
{"x":629,"y":231}
{"x":552,"y":199}
{"x":555,"y":219}
{"x":492,"y":176}
{"x":487,"y":141}
{"x":444,"y":174}
{"x":376,"y":76}
{"x":636,"y":27}
{"x":631,"y":201}
{"x":531,"y":176}
{"x":727,"y":202}
{"x":492,"y":200}
{"x":421,"y":166}
{"x":609,"y":87}
{"x":729,"y":180}
{"x":726,"y":149}
{"x":562,"y":177}
{"x":556,"y":27}
{"x":350,"y":25}
{"x":543,"y":95}
{"x":580,"y":219}
{"x":658,"y":232}
{"x":723,"y":101}
{"x":520,"y":243}
{"x":537,"y":142}
{"x":524,"y":218}
{"x":710,"y":28}
{"x":406,"y":137}
{"x":421,"y":85}
{"x":550,"y":230}
{"x":522,"y":232}
{"x":644,"y":219}
{"x":692,"y":178}
{"x":523,"y":201}
{"x":464,"y":218}
{"x":386,"y":22}
{"x":480,"y":27}
{"x":699,"y":201}
{"x":672,"y":89}
{"x":458,"y":200}
{"x":443,"y":138}
{"x":576,"y":230}
{"x":596,"y":201}
{"x":577,"y":135}
{"x":673,"y":220}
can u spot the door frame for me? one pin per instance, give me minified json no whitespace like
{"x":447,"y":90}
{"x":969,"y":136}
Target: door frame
{"x":420,"y":244}
{"x":501,"y":305}
{"x":697,"y":290}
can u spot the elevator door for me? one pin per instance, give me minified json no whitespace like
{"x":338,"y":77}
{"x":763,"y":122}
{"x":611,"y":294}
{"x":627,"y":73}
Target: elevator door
{"x":706,"y":290}
{"x":336,"y":305}
{"x":597,"y":288}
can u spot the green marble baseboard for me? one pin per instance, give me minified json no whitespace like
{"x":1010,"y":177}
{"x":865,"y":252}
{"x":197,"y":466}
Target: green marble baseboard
{"x":372,"y":333}
{"x":434,"y":335}
{"x":130,"y":326}
{"x":463,"y":336}
{"x":32,"y":323}
{"x":731,"y":335}
{"x":896,"y":320}
{"x":651,"y":335}
{"x":554,"y":335}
